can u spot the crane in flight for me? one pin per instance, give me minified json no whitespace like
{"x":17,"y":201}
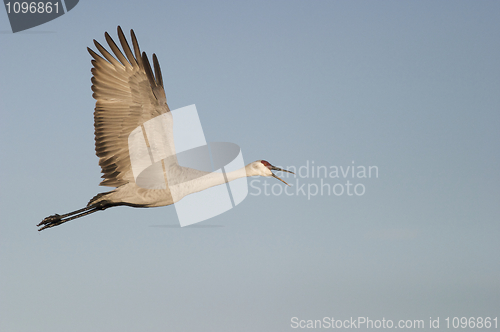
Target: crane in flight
{"x":127,"y":95}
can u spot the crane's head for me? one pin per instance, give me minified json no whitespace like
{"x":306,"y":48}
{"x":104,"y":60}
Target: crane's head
{"x":263,"y":168}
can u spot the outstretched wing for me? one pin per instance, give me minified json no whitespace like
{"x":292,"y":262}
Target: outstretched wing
{"x":127,"y":95}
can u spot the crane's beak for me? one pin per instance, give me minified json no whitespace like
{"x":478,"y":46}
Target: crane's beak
{"x":274,"y":168}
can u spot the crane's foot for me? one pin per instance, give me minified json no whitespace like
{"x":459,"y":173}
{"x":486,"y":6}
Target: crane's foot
{"x":50,"y":221}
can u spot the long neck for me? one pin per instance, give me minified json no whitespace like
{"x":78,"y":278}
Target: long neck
{"x":215,"y":179}
{"x":206,"y":181}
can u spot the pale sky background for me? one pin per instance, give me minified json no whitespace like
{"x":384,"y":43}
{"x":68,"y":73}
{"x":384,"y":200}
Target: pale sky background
{"x":411,"y":87}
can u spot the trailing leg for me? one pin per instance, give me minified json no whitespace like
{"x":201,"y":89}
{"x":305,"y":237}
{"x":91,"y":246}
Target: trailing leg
{"x":56,"y":219}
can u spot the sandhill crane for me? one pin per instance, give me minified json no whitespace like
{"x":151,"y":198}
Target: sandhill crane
{"x":127,"y":95}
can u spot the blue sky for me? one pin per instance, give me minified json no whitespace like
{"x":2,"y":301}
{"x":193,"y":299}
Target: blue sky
{"x":408,"y":87}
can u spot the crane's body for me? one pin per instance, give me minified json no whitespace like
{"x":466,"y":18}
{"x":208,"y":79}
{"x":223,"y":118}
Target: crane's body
{"x":128,"y":95}
{"x":192,"y":181}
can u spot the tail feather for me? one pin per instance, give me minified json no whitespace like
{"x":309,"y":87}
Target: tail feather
{"x":98,"y":198}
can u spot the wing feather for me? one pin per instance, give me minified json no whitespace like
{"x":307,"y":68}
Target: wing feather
{"x":117,"y":51}
{"x":137,"y":50}
{"x":127,"y":95}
